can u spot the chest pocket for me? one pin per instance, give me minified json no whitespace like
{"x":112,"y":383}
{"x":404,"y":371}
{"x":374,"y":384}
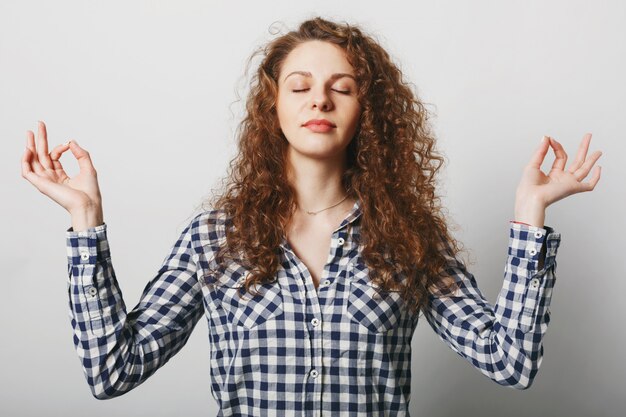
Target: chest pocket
{"x":371,"y":307}
{"x":246,"y":309}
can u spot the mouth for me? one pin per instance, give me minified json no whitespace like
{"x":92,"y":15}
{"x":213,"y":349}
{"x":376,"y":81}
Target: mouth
{"x":319,"y":128}
{"x":318,"y":122}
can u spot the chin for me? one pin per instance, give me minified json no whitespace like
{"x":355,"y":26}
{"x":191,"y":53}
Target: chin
{"x":321,"y":151}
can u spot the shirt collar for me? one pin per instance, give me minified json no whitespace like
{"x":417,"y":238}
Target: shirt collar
{"x":354,"y":214}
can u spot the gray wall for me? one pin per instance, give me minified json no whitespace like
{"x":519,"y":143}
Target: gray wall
{"x":150,"y":89}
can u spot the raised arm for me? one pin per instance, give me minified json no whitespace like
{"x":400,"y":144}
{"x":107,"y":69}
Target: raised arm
{"x":118,"y":350}
{"x":504,"y":341}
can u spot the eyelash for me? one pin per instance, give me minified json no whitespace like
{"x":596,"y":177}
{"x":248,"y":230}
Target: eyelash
{"x":304,"y":89}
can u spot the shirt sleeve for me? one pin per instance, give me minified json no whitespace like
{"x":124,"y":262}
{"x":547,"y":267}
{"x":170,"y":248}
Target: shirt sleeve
{"x":120,"y":350}
{"x":504,"y":342}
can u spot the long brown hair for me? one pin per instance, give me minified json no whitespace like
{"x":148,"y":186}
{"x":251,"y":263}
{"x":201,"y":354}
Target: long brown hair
{"x":391,"y":167}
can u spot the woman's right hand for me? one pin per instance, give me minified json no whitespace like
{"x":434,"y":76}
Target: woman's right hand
{"x":78,"y":195}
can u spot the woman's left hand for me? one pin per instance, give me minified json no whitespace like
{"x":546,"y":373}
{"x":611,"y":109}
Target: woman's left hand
{"x":536,"y":191}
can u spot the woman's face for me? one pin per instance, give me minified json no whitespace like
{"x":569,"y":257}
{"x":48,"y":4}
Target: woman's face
{"x":317,"y":82}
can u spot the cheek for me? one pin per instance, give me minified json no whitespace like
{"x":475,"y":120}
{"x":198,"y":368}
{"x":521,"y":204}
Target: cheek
{"x":282,"y":111}
{"x":283,"y":106}
{"x":355,"y":115}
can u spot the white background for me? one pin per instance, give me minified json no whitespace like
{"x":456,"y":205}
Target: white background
{"x":151,"y":89}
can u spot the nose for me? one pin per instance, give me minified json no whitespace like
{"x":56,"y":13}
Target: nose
{"x":321,"y":100}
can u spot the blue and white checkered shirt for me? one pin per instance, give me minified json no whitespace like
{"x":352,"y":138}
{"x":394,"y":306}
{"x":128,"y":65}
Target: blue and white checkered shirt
{"x":340,"y":349}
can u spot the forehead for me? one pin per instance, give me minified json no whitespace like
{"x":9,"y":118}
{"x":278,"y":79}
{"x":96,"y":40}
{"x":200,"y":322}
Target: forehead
{"x":321,"y":59}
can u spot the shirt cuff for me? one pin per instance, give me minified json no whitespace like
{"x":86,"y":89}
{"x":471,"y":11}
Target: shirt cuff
{"x":531,"y":242}
{"x":87,"y":246}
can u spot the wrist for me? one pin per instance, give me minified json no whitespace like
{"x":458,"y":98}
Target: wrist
{"x":85,"y":218}
{"x":530,"y":212}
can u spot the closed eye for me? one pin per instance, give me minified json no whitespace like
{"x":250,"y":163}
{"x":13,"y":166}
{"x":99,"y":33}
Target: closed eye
{"x":305,"y":89}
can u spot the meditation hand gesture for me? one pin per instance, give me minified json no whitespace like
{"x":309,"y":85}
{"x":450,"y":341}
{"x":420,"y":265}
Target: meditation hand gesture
{"x":79,"y":195}
{"x":536,"y":191}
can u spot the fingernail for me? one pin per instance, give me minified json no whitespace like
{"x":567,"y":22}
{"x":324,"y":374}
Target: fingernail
{"x":67,"y":143}
{"x":544,"y":138}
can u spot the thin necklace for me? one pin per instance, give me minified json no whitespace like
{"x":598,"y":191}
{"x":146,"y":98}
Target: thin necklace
{"x":315,"y":212}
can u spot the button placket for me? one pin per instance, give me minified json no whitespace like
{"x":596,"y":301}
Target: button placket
{"x":350,"y":271}
{"x":530,"y":305}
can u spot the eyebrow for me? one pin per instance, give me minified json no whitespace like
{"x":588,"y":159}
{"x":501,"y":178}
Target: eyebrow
{"x":332,"y":77}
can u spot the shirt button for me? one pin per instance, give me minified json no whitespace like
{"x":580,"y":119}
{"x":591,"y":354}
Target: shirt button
{"x":92,"y":291}
{"x":532,"y":250}
{"x":341,"y":241}
{"x":314,"y":373}
{"x":326,"y":282}
{"x":350,"y":265}
{"x":315,"y":322}
{"x":534,"y":283}
{"x":84,"y":255}
{"x":538,"y":234}
{"x":241,"y":280}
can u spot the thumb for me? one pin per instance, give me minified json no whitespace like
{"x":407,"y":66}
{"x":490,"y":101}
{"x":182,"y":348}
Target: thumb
{"x":83,"y":158}
{"x":540,"y":153}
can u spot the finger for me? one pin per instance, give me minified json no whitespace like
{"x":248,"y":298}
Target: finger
{"x":26,"y":166}
{"x":591,"y":184}
{"x":42,"y":145}
{"x":583,"y":171}
{"x":82,"y":156}
{"x":27,"y":169}
{"x":540,"y":153}
{"x":53,"y":190}
{"x":30,"y":144}
{"x":58,"y":150}
{"x":50,"y":188}
{"x":561,"y":156}
{"x":55,"y":155}
{"x":582,"y":153}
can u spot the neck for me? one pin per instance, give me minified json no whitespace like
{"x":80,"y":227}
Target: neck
{"x":318,"y":184}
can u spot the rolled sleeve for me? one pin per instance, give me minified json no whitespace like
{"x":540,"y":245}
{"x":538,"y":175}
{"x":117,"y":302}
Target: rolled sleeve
{"x":525,"y":297}
{"x":503,"y":341}
{"x":120,"y":349}
{"x":85,"y":249}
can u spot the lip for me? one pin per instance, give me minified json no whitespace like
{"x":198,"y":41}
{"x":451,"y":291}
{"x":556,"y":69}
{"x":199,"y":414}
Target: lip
{"x":318,"y":122}
{"x":321,"y":128}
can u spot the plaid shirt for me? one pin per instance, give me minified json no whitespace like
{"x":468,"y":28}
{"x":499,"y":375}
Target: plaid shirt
{"x":340,"y":349}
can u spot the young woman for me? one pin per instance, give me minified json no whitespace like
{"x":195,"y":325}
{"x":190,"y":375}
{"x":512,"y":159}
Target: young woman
{"x":315,"y":263}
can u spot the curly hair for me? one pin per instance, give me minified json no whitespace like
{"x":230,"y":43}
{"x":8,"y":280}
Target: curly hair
{"x":391,"y":167}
